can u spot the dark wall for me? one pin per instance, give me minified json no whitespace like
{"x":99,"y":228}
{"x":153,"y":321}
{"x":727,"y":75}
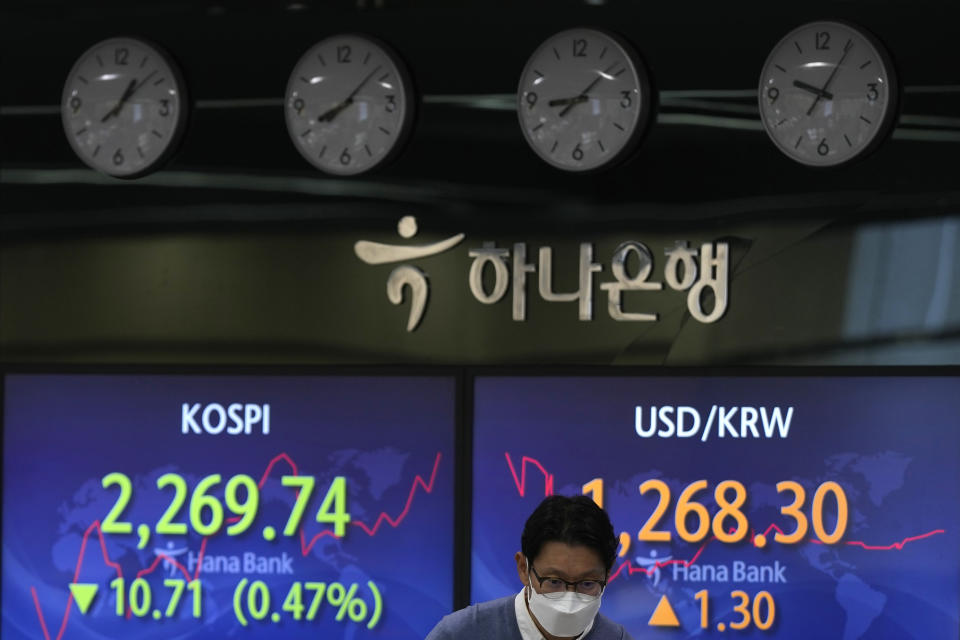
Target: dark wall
{"x":237,"y":251}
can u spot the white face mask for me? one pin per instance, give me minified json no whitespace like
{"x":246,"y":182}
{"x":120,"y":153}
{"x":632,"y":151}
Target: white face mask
{"x":565,"y":616}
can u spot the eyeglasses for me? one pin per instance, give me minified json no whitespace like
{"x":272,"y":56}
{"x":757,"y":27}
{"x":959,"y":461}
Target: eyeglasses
{"x":555,"y":587}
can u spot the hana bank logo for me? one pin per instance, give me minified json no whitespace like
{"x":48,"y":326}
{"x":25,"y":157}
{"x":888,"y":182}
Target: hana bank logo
{"x":169,"y":556}
{"x":701,"y":273}
{"x":652,"y":564}
{"x":405,"y":274}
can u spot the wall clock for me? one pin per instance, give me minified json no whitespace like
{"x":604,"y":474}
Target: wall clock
{"x":124,"y":107}
{"x":828,"y":94}
{"x":349,"y":104}
{"x":584,"y":100}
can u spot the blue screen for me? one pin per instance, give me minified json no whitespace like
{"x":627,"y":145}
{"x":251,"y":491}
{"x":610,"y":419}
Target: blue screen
{"x":884,"y":566}
{"x":209,"y":506}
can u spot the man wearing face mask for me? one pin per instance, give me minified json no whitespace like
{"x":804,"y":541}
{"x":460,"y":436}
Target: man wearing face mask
{"x":567,"y":550}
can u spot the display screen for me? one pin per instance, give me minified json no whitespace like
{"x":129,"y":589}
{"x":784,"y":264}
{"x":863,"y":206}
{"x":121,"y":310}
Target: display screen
{"x":756,"y":507}
{"x":161,"y":507}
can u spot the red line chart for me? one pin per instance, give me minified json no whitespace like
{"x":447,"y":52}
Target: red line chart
{"x":305,"y":547}
{"x":521,"y":484}
{"x":889,"y":547}
{"x":521,"y":481}
{"x":630,"y":569}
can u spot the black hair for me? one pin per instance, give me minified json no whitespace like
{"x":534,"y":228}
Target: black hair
{"x":573,"y":520}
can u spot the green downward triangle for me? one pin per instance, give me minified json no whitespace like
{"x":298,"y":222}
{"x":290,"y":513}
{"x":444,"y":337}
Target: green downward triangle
{"x":83,"y":595}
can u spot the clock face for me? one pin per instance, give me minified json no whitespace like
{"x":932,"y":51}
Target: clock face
{"x":349,"y":105}
{"x":828,"y":94}
{"x":584,"y":100}
{"x":124,"y":107}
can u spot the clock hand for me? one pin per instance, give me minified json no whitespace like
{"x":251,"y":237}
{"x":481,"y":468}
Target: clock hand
{"x":812,"y":89}
{"x":582,"y":96}
{"x":131,"y":89}
{"x":142,"y":82}
{"x":363,"y":82}
{"x":564,"y":101}
{"x":846,"y":50}
{"x":123,"y":98}
{"x":330,"y":114}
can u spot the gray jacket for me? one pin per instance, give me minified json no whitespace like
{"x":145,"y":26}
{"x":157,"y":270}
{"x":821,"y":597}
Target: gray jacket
{"x":497,"y":620}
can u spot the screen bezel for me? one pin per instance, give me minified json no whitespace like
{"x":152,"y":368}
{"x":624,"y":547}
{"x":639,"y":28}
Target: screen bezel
{"x":459,"y":584}
{"x":612,"y":371}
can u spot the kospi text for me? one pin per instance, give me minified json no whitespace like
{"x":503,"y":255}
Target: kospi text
{"x":214,"y":419}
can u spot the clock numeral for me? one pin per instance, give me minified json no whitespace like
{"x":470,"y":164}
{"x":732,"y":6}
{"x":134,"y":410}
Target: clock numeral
{"x":531,"y":99}
{"x":164,"y":107}
{"x":391,"y":104}
{"x":627,"y":100}
{"x":118,"y":157}
{"x":120,"y":55}
{"x":822,"y":148}
{"x":579,"y":48}
{"x":343,"y":54}
{"x":577,"y":153}
{"x":75,"y":103}
{"x":822,"y":40}
{"x":772,"y":94}
{"x":872,"y":93}
{"x":345,"y":157}
{"x":298,"y":105}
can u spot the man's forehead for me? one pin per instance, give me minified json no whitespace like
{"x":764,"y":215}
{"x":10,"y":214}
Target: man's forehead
{"x":564,"y":560}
